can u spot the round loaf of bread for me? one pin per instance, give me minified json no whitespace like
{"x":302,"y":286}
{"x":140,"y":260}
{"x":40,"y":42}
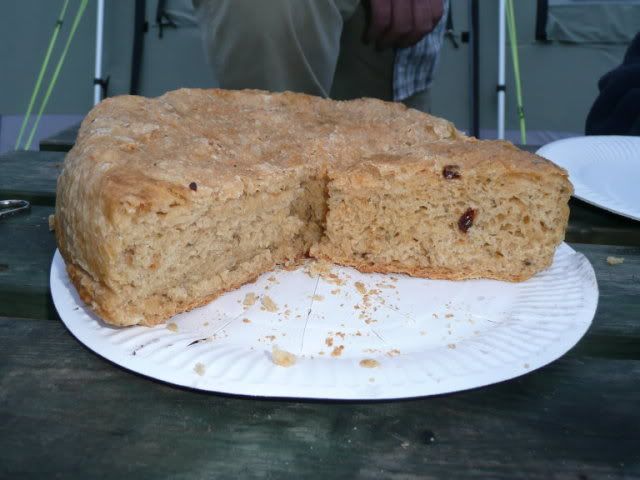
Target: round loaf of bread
{"x":164,"y":204}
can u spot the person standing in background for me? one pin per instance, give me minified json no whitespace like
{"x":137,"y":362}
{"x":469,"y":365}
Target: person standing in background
{"x":616,"y":111}
{"x":342,"y":49}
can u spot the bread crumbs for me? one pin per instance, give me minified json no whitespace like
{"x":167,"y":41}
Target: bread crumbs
{"x":329,"y":341}
{"x":337,"y":351}
{"x":361,"y":288}
{"x":615,"y":260}
{"x":199,"y":368}
{"x":282,"y":358}
{"x":172,"y":326}
{"x":246,"y":320}
{"x":249,"y":299}
{"x":452,"y":346}
{"x":317,"y":268}
{"x":369,"y":363}
{"x":317,"y":298}
{"x":268,"y":304}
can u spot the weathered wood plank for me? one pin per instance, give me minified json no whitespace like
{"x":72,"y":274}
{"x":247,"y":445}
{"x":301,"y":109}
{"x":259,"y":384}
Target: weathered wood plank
{"x":589,"y":224}
{"x":25,"y":260}
{"x":63,"y":409}
{"x":30,"y":176}
{"x":616,"y":326}
{"x":61,"y":141}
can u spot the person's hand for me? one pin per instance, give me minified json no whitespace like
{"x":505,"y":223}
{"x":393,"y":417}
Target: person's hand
{"x":401,"y":23}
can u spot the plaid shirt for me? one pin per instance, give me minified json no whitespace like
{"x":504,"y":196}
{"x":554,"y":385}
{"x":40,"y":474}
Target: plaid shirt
{"x":414,"y":66}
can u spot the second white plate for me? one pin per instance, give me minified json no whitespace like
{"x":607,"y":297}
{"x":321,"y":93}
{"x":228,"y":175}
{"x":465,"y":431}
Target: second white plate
{"x":604,"y":170}
{"x":353,"y":335}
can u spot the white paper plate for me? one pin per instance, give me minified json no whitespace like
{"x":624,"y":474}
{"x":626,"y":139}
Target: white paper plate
{"x":428,"y":336}
{"x":604,"y":170}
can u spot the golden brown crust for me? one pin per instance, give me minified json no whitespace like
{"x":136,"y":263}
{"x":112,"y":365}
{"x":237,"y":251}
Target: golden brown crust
{"x":432,"y":273}
{"x":468,"y":154}
{"x":87,"y":290}
{"x":92,"y":293}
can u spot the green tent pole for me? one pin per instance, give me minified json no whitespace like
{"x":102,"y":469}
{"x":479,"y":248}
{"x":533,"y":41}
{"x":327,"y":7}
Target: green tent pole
{"x":43,"y":68}
{"x":513,"y":40}
{"x":56,"y":72}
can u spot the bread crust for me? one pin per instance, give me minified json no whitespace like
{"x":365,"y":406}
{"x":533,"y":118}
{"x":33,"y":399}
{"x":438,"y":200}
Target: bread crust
{"x":431,"y":273}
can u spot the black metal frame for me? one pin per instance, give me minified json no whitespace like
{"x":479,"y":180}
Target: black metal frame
{"x":474,"y":67}
{"x":542,"y":13}
{"x":162,"y":18}
{"x":140,"y":27}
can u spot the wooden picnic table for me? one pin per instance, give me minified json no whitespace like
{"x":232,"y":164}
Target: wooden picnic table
{"x":61,"y":141}
{"x":66,"y":412}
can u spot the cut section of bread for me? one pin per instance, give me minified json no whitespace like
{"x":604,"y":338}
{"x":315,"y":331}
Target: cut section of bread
{"x":458,"y":210}
{"x":163,"y":204}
